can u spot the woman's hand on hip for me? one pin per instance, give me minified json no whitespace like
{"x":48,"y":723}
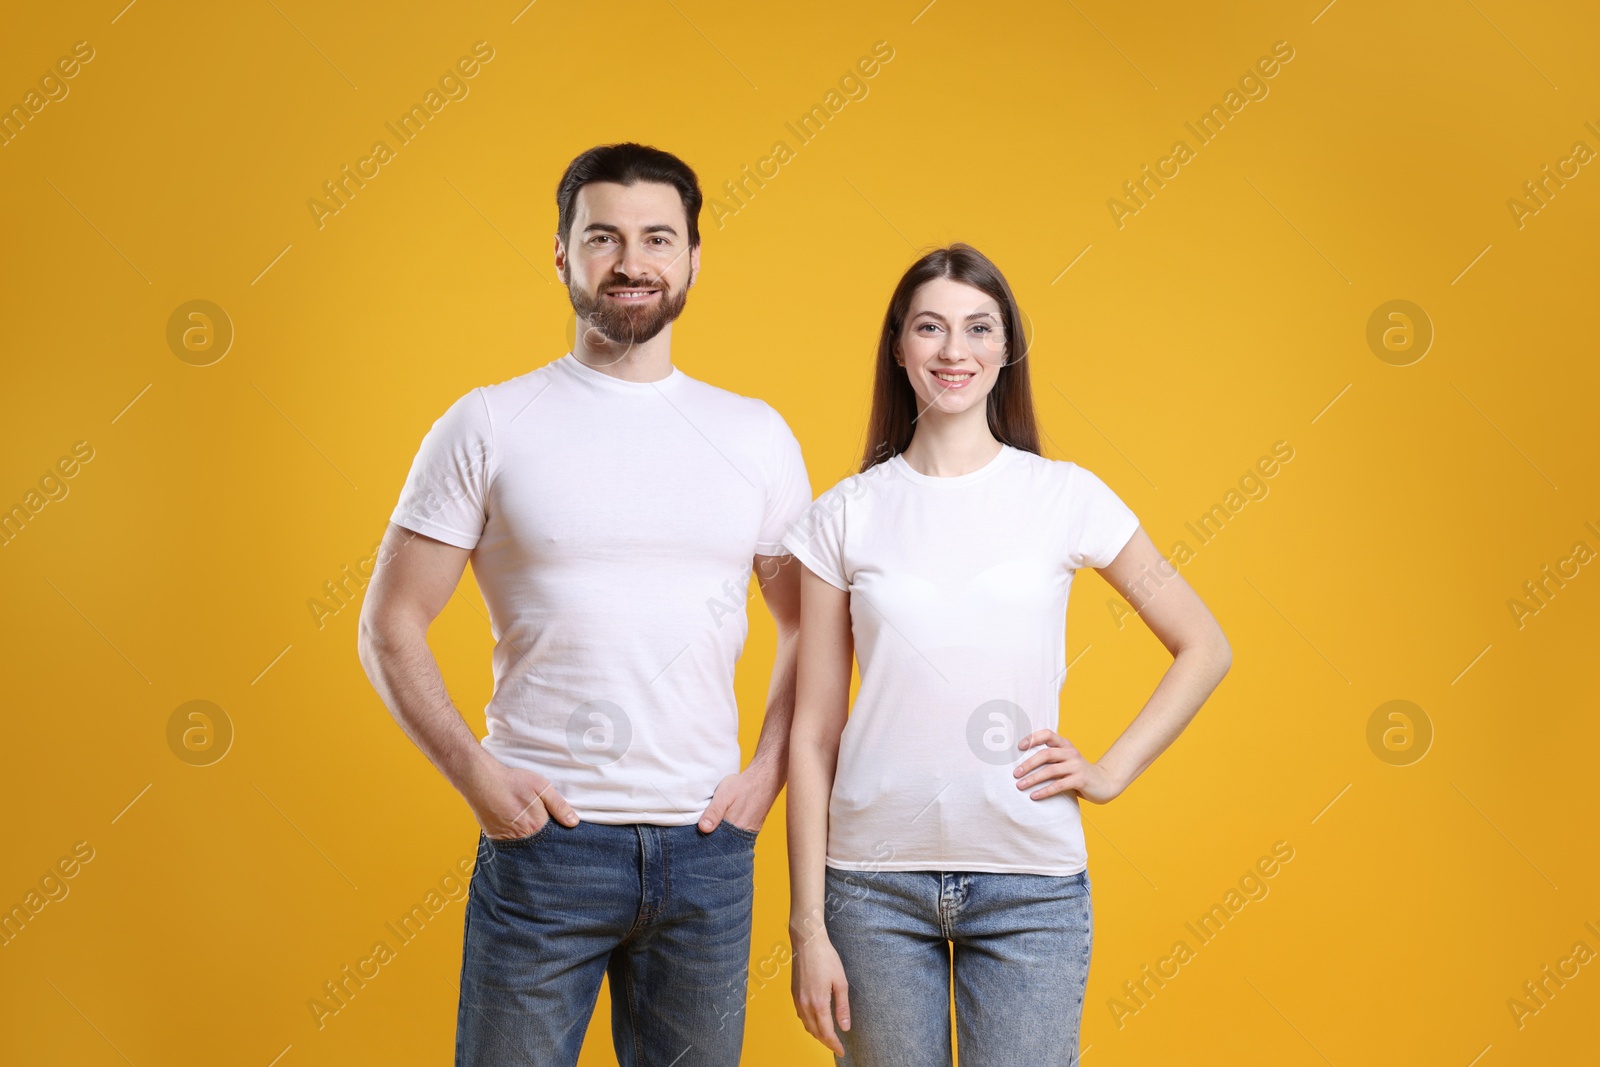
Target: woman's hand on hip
{"x":1061,"y":768}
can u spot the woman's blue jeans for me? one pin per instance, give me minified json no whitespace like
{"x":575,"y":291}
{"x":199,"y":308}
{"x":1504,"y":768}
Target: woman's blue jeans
{"x":1016,"y":947}
{"x":664,"y":910}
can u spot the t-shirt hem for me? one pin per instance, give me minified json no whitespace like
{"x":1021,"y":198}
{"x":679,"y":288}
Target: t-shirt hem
{"x":980,"y":867}
{"x":813,"y":564}
{"x":434,"y":530}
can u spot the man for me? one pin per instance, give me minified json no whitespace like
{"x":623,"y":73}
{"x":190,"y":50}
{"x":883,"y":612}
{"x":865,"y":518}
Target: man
{"x":612,"y":508}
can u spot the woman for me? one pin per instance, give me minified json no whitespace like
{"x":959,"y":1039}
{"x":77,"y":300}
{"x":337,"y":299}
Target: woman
{"x":934,"y":833}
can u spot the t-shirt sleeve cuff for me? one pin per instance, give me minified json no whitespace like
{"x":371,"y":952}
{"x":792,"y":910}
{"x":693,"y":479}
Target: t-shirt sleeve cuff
{"x":798,"y":549}
{"x":1124,"y":535}
{"x":432,"y":529}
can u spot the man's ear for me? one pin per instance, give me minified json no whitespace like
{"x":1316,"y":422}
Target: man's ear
{"x":560,"y":255}
{"x":694,"y":265}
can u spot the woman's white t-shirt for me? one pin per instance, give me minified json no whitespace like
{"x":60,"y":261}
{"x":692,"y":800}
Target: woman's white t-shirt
{"x":958,"y":599}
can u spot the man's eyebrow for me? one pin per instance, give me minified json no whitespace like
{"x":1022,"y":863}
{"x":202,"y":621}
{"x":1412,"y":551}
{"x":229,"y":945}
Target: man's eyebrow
{"x":655,"y":227}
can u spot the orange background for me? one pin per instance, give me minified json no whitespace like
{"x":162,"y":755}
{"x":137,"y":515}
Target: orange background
{"x":1230,"y":312}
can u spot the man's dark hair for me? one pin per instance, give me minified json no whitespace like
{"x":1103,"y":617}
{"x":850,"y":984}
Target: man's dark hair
{"x":626,"y":164}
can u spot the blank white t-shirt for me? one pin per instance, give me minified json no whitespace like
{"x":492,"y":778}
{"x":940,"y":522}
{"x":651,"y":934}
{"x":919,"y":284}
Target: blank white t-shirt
{"x":612,"y":526}
{"x":958,"y":601}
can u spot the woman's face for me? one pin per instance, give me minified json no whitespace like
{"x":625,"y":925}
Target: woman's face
{"x":952,"y":346}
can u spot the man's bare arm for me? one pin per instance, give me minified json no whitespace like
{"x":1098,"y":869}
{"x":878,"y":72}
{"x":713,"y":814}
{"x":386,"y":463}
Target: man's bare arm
{"x":414,"y":579}
{"x":746,"y":798}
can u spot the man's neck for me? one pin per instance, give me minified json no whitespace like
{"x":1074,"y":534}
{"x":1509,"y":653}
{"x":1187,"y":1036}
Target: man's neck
{"x":649,"y":362}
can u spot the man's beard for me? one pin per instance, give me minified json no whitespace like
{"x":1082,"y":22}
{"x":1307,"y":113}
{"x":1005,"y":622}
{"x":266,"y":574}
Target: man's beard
{"x":623,"y":325}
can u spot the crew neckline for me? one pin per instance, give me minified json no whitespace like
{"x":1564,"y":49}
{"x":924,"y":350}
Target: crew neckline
{"x":1001,"y":459}
{"x":606,"y":381}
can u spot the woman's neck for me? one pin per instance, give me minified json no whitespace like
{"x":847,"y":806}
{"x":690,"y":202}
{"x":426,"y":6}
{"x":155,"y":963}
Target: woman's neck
{"x":947,"y":448}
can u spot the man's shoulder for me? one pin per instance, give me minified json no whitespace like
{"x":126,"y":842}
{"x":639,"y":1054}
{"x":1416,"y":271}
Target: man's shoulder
{"x":735,"y":410}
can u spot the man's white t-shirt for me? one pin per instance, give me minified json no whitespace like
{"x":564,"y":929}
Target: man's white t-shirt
{"x":613,"y":526}
{"x":958,"y":600}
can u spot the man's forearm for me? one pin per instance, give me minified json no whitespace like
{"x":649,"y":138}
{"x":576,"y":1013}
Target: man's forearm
{"x":771,"y":759}
{"x":407,"y":677}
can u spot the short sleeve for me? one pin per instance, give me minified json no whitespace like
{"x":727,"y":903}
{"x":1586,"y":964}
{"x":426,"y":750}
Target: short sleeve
{"x":817,"y":539}
{"x":446,"y":494}
{"x":788,"y":488}
{"x":1099,"y":524}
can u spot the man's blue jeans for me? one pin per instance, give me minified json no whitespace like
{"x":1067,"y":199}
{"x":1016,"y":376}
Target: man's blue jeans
{"x":1015,"y":945}
{"x":663,"y":910}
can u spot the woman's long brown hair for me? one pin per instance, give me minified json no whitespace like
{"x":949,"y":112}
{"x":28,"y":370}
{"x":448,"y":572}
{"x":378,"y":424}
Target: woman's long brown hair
{"x":894,"y":403}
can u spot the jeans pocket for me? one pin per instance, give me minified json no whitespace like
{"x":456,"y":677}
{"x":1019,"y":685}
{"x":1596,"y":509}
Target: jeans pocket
{"x":748,"y":835}
{"x":518,"y":842}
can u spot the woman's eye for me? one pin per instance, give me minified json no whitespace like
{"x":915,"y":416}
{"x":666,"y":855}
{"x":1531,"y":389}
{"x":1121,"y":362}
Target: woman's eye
{"x":982,"y":328}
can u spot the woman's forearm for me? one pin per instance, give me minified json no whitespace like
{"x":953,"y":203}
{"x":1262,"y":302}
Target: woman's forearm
{"x":1195,"y":672}
{"x":811,"y":768}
